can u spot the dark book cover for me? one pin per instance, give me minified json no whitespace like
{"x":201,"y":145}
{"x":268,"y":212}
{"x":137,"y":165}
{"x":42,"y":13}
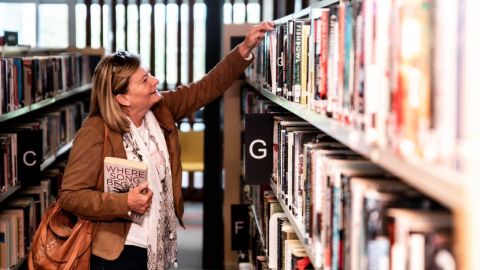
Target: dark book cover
{"x":18,"y":68}
{"x":37,"y":72}
{"x":3,"y":85}
{"x":27,"y":72}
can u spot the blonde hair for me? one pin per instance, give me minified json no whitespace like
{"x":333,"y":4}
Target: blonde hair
{"x":109,"y":80}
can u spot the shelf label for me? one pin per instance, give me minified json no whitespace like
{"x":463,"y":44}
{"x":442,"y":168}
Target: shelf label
{"x":240,"y":226}
{"x":258,"y":148}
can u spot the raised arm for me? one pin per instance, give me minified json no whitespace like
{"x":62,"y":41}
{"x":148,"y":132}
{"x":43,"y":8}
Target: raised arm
{"x":187,"y":99}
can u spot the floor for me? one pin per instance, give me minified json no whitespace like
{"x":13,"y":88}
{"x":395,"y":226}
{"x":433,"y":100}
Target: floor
{"x":190,"y":239}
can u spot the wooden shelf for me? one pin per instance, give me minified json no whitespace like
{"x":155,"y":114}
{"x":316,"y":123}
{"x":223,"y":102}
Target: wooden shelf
{"x":10,"y":191}
{"x":44,"y":103}
{"x":50,"y":160}
{"x":296,"y":228}
{"x":442,"y":184}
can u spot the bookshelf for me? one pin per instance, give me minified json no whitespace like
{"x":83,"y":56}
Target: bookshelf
{"x":298,"y":231}
{"x":44,"y":103}
{"x":45,"y":164}
{"x":10,"y":191}
{"x":54,"y":119}
{"x":442,"y":184}
{"x":457,"y":190}
{"x":6,"y":51}
{"x":27,"y":110}
{"x":49,"y":161}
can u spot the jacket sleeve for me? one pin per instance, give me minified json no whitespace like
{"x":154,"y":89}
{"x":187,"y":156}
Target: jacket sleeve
{"x":186,"y":99}
{"x":85,"y":166}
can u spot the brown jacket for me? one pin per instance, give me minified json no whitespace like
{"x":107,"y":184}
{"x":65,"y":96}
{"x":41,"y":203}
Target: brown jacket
{"x":85,"y":164}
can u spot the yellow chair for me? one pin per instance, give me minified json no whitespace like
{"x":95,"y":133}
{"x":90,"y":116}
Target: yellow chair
{"x":191,"y":143}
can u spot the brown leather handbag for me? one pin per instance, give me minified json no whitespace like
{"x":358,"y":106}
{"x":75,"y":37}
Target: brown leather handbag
{"x":62,"y":240}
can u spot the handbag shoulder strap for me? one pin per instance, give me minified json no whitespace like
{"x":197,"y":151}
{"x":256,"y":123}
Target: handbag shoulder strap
{"x":105,"y":139}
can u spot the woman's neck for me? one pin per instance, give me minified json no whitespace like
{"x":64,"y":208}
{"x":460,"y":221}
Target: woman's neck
{"x":137,"y":118}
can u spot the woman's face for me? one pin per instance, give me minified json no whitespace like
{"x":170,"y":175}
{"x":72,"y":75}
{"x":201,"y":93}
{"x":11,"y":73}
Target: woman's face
{"x":142,"y":91}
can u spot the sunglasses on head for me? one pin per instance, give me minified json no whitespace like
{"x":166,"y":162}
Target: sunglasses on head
{"x":119,"y":59}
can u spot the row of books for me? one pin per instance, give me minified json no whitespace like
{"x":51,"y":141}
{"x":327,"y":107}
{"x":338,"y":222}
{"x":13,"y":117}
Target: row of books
{"x":398,"y":70}
{"x":27,"y":80}
{"x":351,"y":212}
{"x":25,"y":146}
{"x":20,"y":215}
{"x":19,"y":219}
{"x":279,"y":246}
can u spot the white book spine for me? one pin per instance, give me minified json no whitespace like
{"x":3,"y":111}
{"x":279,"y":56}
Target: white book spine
{"x":445,"y":82}
{"x":470,"y":95}
{"x":382,"y":47}
{"x":290,"y":167}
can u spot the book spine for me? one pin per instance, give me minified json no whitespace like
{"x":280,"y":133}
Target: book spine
{"x":317,"y":45}
{"x":333,"y":64}
{"x":297,"y":59}
{"x":348,"y":63}
{"x":304,"y":62}
{"x":273,"y":59}
{"x":323,"y":80}
{"x":279,"y":60}
{"x":341,"y":60}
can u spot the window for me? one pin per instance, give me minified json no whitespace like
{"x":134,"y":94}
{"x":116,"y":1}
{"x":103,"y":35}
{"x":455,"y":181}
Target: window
{"x":199,"y":38}
{"x":184,"y":44}
{"x":132,"y":28}
{"x":107,"y":32}
{"x":160,"y":41}
{"x":236,"y":13}
{"x":145,"y":15}
{"x":239,"y":12}
{"x":171,"y":42}
{"x":19,"y":17}
{"x":53,"y":25}
{"x":227,"y":13}
{"x":95,"y":13}
{"x":120,"y":15}
{"x":80,"y":18}
{"x":253,"y":12}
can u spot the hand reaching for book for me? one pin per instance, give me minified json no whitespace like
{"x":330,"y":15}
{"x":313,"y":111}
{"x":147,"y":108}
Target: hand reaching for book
{"x":139,"y":198}
{"x":254,"y":36}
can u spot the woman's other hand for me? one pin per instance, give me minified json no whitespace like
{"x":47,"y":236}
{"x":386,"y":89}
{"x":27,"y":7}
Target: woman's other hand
{"x":139,"y":199}
{"x":254,"y":36}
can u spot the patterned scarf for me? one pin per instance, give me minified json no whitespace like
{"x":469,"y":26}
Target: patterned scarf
{"x":162,"y":234}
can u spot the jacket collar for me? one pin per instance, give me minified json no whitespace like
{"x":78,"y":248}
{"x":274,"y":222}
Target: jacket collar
{"x":160,"y":112}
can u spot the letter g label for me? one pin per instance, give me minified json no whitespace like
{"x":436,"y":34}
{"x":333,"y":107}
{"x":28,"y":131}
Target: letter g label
{"x":263,"y":151}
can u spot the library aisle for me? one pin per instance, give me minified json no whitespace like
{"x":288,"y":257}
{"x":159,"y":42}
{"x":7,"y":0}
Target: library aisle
{"x":190,"y":240}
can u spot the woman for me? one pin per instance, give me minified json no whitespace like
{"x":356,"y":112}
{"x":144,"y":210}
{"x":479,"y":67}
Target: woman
{"x":140,"y":124}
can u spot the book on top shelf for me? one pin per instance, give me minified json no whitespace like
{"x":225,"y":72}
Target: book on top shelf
{"x":121,"y":175}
